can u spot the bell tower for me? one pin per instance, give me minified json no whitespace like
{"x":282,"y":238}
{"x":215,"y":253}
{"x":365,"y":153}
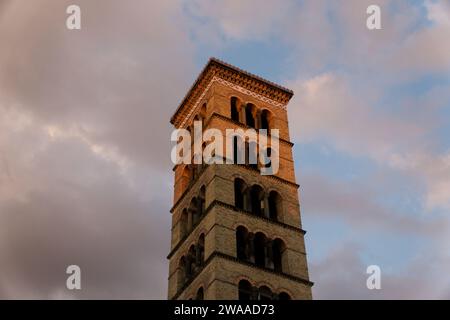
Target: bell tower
{"x":236,"y":233}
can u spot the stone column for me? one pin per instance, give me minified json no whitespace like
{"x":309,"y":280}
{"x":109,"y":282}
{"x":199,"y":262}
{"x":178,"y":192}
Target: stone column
{"x":242,"y":118}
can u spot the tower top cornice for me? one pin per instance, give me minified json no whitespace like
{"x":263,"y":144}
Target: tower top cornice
{"x":218,"y":70}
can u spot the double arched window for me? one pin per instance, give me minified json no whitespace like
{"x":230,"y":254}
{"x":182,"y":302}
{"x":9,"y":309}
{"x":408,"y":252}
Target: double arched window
{"x":249,"y":292}
{"x":249,"y":114}
{"x":192,"y":262}
{"x":258,"y":249}
{"x":256,"y":200}
{"x":193,"y":214}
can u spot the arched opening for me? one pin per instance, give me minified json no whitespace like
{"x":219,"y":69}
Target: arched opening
{"x":278,"y":248}
{"x":265,"y":118}
{"x":201,"y":200}
{"x":245,"y":290}
{"x":257,"y":200}
{"x":275,"y":208}
{"x":234,"y":109}
{"x":199,"y":295}
{"x":249,"y":117}
{"x":284,"y":296}
{"x":191,"y":265}
{"x":182,"y":273}
{"x":201,"y":250}
{"x":264,"y":293}
{"x":194,"y":209}
{"x":241,"y":243}
{"x":260,"y":249}
{"x":239,"y":193}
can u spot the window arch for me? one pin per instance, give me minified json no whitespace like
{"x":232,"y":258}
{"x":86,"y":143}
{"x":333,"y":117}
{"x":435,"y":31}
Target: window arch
{"x":182,"y":273}
{"x":242,"y":243}
{"x":275,"y":205}
{"x":201,"y":250}
{"x":191,"y":262}
{"x":239,"y":155}
{"x":194,"y":211}
{"x":260,"y":249}
{"x":249,"y":115}
{"x":201,"y":200}
{"x":278,"y":254}
{"x":284,"y":296}
{"x":245,"y":290}
{"x":200,"y":294}
{"x":265,"y":119}
{"x":234,"y":109}
{"x":264,"y":293}
{"x":257,"y":200}
{"x":240,"y":189}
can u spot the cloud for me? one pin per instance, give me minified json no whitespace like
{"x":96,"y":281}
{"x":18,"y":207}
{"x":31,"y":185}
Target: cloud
{"x":342,"y":275}
{"x":83,"y":147}
{"x":241,"y":20}
{"x":108,"y":79}
{"x":357,"y":205}
{"x":64,"y":203}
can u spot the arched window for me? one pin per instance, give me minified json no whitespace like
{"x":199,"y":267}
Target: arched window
{"x":260,"y":249}
{"x":275,"y":208}
{"x":265,"y":115}
{"x":194,"y":210}
{"x":264,"y":293}
{"x":201,"y":250}
{"x":234,"y":109}
{"x":182,"y":273}
{"x":278,"y":248}
{"x":241,"y":243}
{"x":239,"y":193}
{"x":201,"y":200}
{"x":245,"y":290}
{"x":199,"y":295}
{"x":284,"y":296}
{"x":249,"y":118}
{"x":191,"y":262}
{"x":238,"y":150}
{"x":257,"y":200}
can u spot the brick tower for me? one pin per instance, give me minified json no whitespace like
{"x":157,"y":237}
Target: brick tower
{"x":236,"y":234}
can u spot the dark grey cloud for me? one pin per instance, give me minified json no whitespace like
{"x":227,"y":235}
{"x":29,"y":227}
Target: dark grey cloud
{"x":85,"y":173}
{"x":73,"y":208}
{"x":119,"y":78}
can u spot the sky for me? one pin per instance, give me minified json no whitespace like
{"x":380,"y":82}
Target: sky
{"x":85,"y":170}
